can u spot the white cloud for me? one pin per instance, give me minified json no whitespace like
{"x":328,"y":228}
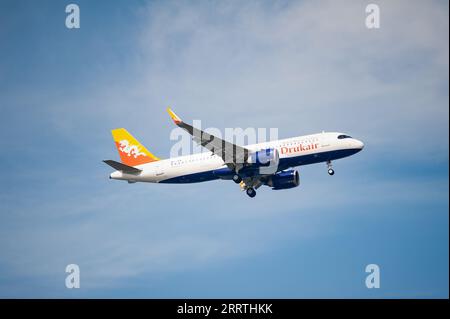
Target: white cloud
{"x":303,"y":67}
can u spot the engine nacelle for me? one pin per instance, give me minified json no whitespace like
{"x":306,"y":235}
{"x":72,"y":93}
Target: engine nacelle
{"x":264,"y":158}
{"x":284,"y":180}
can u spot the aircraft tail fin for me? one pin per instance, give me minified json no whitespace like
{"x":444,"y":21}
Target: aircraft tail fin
{"x":131,"y":152}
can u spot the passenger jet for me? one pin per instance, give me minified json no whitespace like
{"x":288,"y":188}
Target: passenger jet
{"x":251,"y":166}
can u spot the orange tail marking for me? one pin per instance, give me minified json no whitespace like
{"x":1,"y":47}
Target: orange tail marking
{"x":131,"y":152}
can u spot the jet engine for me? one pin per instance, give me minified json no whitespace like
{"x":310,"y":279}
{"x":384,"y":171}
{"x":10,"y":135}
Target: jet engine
{"x":284,"y":180}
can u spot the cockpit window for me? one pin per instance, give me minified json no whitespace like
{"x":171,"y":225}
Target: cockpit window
{"x":343,"y":136}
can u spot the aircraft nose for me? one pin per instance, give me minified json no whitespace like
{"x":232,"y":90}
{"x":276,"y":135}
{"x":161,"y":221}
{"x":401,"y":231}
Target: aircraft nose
{"x":359,"y":144}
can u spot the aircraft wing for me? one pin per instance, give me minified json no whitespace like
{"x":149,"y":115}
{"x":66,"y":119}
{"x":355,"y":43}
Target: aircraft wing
{"x":233,"y":155}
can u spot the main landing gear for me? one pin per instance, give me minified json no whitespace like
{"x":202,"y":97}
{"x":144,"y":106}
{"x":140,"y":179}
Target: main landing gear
{"x":330,"y":168}
{"x":251,"y":192}
{"x":237,"y":179}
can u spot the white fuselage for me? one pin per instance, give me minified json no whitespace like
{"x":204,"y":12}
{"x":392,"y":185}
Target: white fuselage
{"x":301,"y":150}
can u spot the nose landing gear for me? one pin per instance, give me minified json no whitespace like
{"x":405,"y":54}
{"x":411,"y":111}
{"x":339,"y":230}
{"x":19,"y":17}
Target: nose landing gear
{"x":330,"y":168}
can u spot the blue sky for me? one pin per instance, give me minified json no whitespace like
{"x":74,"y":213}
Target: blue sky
{"x":300,"y":66}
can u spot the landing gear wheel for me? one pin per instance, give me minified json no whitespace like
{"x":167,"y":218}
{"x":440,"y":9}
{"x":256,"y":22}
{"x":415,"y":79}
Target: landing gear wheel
{"x":330,"y":168}
{"x":251,"y":192}
{"x":237,"y":179}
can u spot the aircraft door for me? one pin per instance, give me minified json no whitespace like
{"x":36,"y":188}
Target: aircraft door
{"x":159,"y":171}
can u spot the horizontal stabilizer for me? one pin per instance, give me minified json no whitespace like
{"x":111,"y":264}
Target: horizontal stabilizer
{"x":122,"y":167}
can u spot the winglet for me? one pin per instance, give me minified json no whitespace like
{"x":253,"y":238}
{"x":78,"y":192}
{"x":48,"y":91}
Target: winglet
{"x":174,"y":117}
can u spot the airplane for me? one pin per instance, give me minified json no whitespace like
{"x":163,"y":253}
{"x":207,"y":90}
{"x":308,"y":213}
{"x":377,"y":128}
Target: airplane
{"x":251,"y":166}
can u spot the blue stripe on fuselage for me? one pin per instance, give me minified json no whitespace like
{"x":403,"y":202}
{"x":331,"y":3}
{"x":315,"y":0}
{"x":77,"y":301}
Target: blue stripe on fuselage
{"x":285,"y":163}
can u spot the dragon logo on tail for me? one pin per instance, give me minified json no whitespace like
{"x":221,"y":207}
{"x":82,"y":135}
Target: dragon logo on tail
{"x":130,"y":150}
